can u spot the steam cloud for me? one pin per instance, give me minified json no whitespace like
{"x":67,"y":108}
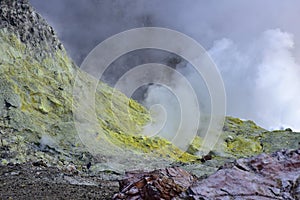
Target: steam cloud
{"x":255,"y":44}
{"x":265,"y":76}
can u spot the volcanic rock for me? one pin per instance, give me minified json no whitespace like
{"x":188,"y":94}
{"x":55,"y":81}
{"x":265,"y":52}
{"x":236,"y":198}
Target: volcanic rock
{"x":20,"y":18}
{"x":159,"y":184}
{"x":267,"y":176}
{"x":39,"y":105}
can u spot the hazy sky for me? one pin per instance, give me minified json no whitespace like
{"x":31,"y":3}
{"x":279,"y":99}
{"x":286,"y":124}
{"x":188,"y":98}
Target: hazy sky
{"x":255,"y":44}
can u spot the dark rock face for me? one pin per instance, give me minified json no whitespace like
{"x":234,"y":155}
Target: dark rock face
{"x":20,"y":18}
{"x":159,"y":184}
{"x":274,"y":176}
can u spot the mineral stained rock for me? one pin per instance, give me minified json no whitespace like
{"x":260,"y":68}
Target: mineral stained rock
{"x":37,"y":125}
{"x":159,"y":184}
{"x":38,"y":100}
{"x":266,"y":176}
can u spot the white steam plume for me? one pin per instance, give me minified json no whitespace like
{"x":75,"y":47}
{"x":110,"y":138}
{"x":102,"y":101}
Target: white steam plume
{"x":265,"y":75}
{"x":247,"y":61}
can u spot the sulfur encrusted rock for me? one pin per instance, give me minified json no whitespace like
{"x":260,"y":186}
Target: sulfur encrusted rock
{"x":37,"y":102}
{"x":37,"y":111}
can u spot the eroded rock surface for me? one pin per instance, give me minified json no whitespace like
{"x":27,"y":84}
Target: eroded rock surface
{"x":159,"y":184}
{"x":20,"y":18}
{"x":266,"y":176}
{"x":274,"y":176}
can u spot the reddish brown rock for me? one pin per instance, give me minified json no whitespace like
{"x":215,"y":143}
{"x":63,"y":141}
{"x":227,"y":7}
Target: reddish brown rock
{"x":159,"y":184}
{"x":275,"y":176}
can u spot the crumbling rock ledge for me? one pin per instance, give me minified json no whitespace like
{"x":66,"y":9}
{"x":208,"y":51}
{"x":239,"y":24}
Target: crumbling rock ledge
{"x":266,"y":176}
{"x":19,"y":17}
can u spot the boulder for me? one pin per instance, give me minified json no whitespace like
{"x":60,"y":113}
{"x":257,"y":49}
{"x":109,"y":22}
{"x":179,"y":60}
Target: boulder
{"x":266,"y":176}
{"x":159,"y":184}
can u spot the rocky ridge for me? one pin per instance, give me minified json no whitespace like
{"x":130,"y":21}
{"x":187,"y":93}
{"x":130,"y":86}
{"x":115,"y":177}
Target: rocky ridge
{"x":22,"y":20}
